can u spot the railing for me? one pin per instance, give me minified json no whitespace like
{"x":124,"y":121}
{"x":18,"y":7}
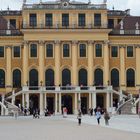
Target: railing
{"x":59,"y":26}
{"x":59,"y":6}
{"x":126,"y":32}
{"x":12,"y":32}
{"x":66,"y":88}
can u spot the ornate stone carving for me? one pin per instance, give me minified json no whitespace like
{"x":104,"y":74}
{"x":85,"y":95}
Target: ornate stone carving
{"x":41,"y":42}
{"x":57,"y":42}
{"x":90,"y":42}
{"x":74,"y":42}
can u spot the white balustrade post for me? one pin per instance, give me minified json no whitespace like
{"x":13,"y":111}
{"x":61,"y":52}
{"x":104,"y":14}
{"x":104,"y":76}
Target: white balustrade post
{"x":94,"y":100}
{"x":55,"y":103}
{"x":27,"y":100}
{"x":41,"y":104}
{"x":2,"y":108}
{"x":13,"y":97}
{"x":75,"y":104}
{"x":23,"y":100}
{"x":60,"y":110}
{"x":79,"y":101}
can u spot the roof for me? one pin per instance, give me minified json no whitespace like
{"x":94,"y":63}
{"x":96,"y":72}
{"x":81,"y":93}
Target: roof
{"x":129,"y":23}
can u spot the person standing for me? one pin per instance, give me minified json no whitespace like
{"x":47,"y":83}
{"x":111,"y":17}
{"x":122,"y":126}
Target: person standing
{"x":106,"y":117}
{"x":98,"y":116}
{"x":79,"y":117}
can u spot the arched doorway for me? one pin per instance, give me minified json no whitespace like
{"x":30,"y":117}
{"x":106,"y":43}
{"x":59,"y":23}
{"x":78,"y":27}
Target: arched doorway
{"x":115,"y":78}
{"x":16,"y":78}
{"x":34,"y":103}
{"x":33,"y":79}
{"x":49,"y":79}
{"x":98,"y":74}
{"x":67,"y":102}
{"x":66,"y":77}
{"x":82,"y":77}
{"x":130,"y":78}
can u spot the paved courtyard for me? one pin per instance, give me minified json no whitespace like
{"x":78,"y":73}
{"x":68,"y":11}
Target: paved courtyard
{"x":59,"y":128}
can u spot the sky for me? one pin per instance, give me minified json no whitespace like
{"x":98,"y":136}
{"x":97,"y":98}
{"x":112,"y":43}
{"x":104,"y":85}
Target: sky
{"x":134,"y":5}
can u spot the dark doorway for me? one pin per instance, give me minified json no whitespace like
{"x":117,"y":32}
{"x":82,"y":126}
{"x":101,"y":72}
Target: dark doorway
{"x":34,"y":103}
{"x":84,"y":105}
{"x":100,"y":101}
{"x":50,"y":104}
{"x":67,"y":102}
{"x":33,"y":79}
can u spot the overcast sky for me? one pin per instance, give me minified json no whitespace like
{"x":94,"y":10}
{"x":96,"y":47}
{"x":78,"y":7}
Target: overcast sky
{"x":134,"y":5}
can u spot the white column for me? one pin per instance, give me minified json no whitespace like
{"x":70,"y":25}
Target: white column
{"x":90,"y":63}
{"x":75,"y":104}
{"x":41,"y":104}
{"x":111,"y":100}
{"x":94,"y":100}
{"x":79,"y":101}
{"x":27,"y":100}
{"x":107,"y":101}
{"x":2,"y":109}
{"x":23,"y":100}
{"x":55,"y":103}
{"x":13,"y":97}
{"x":60,"y":110}
{"x":137,"y":66}
{"x":90,"y":100}
{"x":45,"y":101}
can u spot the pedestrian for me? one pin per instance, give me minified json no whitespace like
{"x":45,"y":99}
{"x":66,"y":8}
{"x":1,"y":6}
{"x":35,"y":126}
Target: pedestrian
{"x":98,"y":115}
{"x":79,"y":117}
{"x":106,"y":117}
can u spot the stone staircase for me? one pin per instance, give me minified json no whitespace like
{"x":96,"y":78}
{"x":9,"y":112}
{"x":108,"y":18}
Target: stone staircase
{"x":126,"y":107}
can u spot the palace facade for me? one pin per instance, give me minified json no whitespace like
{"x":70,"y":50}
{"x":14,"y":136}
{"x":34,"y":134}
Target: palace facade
{"x":68,"y":54}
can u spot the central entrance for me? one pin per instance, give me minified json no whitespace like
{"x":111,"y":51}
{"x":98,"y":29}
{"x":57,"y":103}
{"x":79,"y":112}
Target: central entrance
{"x":34,"y":103}
{"x":67,"y":102}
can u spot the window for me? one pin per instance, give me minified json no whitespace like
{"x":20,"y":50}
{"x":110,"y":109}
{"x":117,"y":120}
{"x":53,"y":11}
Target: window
{"x":114,"y":51}
{"x":130,"y":76}
{"x":16,"y":78}
{"x":33,"y":20}
{"x":82,"y":50}
{"x":13,"y":22}
{"x":81,"y":20}
{"x":65,"y":19}
{"x":98,"y":50}
{"x":115,"y":78}
{"x":66,"y":51}
{"x":66,"y":77}
{"x":97,"y":19}
{"x":49,"y":20}
{"x":33,"y":50}
{"x":129,"y":51}
{"x":16,"y":51}
{"x":111,"y":23}
{"x":49,"y":50}
{"x":98,"y":74}
{"x":1,"y":51}
{"x":2,"y":78}
{"x":82,"y":77}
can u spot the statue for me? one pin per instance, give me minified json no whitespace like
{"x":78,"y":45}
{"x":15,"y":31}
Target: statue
{"x":137,"y":26}
{"x":104,"y":1}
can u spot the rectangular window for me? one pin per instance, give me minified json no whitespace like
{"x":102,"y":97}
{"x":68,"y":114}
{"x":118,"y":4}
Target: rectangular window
{"x":13,"y":22}
{"x":1,"y":51}
{"x":33,"y":20}
{"x":33,"y":50}
{"x":98,"y":50}
{"x":49,"y":50}
{"x":65,"y":20}
{"x":114,"y":51}
{"x":82,"y":50}
{"x":97,"y":19}
{"x":110,"y":23}
{"x":129,"y":51}
{"x":49,"y":20}
{"x":66,"y":50}
{"x":81,"y":20}
{"x":17,"y":51}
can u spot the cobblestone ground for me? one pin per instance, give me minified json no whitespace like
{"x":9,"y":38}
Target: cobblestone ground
{"x":57,"y":128}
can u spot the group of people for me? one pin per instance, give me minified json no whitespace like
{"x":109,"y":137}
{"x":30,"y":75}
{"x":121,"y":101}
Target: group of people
{"x":98,"y":113}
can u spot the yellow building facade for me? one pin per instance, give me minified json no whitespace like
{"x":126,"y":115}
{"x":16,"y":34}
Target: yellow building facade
{"x":68,"y":54}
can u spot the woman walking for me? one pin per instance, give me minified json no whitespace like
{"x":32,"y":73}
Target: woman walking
{"x":106,"y":117}
{"x":98,"y":115}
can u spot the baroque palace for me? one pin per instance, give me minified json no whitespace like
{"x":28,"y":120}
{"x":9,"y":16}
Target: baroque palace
{"x":68,"y":54}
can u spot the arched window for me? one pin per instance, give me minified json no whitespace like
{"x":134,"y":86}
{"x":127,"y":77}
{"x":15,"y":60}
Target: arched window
{"x":33,"y":77}
{"x":16,"y":78}
{"x":82,"y":77}
{"x":115,"y":78}
{"x":130,"y":78}
{"x":66,"y":77}
{"x":2,"y":78}
{"x":98,"y":74}
{"x":49,"y":77}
